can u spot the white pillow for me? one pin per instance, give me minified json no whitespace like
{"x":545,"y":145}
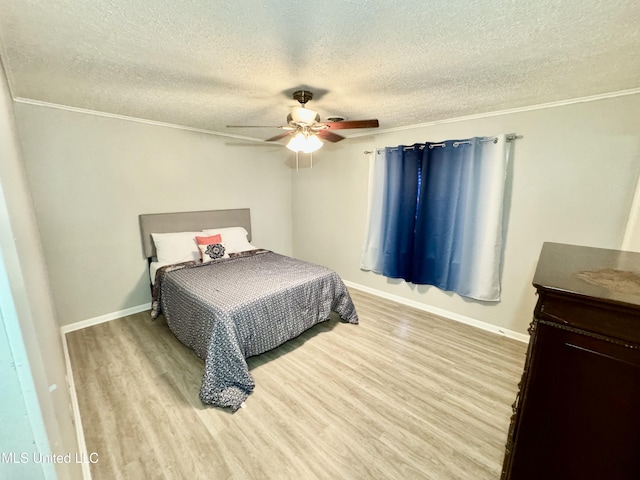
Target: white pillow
{"x":234,"y":238}
{"x":176,"y":247}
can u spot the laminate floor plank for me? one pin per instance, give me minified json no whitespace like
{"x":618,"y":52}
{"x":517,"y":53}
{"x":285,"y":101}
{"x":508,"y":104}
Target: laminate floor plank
{"x":403,"y":395}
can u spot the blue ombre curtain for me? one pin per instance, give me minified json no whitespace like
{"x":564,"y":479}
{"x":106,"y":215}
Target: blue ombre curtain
{"x":435,"y":215}
{"x":400,"y":200}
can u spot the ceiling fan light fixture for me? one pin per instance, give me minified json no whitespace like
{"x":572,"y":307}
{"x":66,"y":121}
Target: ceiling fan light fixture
{"x":313,"y":144}
{"x":304,"y":115}
{"x":306,"y":143}
{"x":297,"y":142}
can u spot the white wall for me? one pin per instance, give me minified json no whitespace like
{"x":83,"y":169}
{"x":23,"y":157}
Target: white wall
{"x":573,"y":178}
{"x":91,"y":177}
{"x":31,"y":306}
{"x":631,"y":241}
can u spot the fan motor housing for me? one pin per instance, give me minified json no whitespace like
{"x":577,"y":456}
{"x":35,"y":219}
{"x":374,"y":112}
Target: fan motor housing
{"x":302,"y":96}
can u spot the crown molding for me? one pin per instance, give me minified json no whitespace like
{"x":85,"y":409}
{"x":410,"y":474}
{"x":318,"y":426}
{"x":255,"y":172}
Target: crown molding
{"x":541,"y":106}
{"x":98,"y":113}
{"x":592,"y":98}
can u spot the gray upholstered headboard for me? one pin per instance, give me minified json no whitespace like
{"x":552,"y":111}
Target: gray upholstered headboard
{"x":190,"y":221}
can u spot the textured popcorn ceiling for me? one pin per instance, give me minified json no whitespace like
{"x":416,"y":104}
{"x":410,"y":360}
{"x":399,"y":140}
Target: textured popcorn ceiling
{"x":208,"y":63}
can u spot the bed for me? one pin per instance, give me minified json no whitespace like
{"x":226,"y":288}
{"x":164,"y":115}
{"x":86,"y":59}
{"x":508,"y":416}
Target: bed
{"x":237,"y":306}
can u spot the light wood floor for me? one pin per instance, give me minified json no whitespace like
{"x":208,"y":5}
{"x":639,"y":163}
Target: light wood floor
{"x":402,"y":395}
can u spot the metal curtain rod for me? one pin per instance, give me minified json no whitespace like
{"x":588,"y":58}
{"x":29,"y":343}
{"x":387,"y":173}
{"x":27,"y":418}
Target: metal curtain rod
{"x":510,"y":138}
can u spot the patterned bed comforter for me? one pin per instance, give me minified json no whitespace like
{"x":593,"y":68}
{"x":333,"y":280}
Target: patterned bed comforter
{"x":229,"y":310}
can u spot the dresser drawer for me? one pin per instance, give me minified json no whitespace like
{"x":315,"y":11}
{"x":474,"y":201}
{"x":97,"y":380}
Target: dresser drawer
{"x":612,"y":320}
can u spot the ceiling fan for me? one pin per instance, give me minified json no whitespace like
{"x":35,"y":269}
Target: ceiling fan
{"x":306,"y":129}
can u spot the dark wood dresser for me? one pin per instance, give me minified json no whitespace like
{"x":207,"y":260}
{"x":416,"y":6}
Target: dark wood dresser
{"x":577,"y":415}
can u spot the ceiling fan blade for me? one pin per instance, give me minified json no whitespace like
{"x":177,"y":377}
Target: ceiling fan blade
{"x":329,"y":136}
{"x":345,"y":124}
{"x":277,"y":137}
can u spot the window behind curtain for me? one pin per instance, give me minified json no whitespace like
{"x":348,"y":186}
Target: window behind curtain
{"x":435,"y":215}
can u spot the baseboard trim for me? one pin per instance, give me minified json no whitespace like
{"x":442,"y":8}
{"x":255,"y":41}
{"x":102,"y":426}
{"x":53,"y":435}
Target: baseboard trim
{"x":75,"y":409}
{"x":72,"y":327}
{"x":441,"y":312}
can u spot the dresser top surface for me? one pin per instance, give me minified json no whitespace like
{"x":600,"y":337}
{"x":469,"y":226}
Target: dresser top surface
{"x":607,"y":275}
